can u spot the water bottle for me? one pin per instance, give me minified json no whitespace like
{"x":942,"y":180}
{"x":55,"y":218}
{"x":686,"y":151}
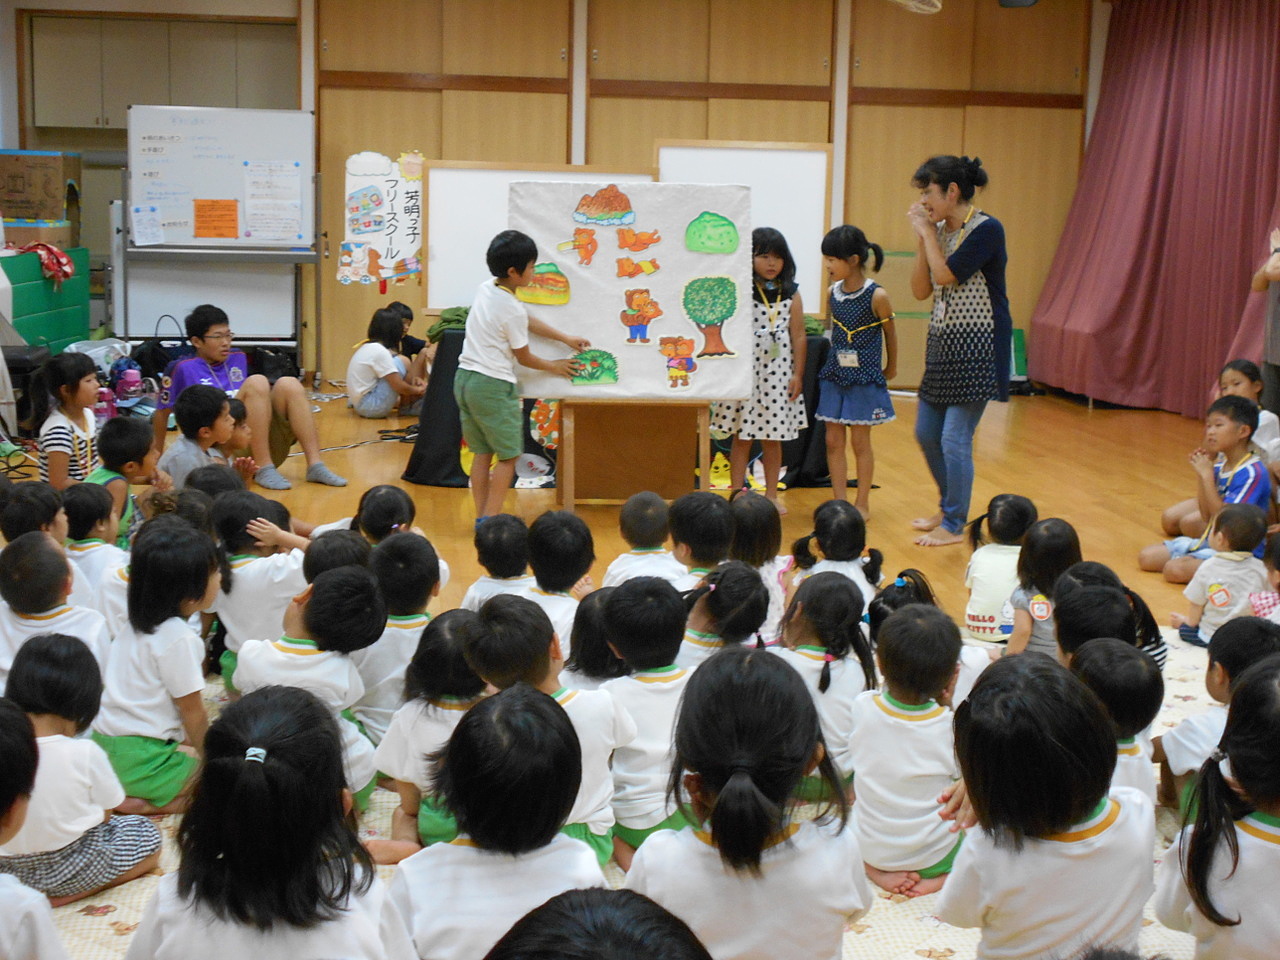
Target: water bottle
{"x":105,"y":408}
{"x":129,"y":386}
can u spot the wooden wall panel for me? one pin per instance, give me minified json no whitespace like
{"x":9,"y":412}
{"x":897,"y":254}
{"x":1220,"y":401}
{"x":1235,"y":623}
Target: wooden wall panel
{"x":771,"y":41}
{"x":621,"y":131}
{"x":507,"y":38}
{"x":1033,"y":158}
{"x":505,"y":127}
{"x":793,"y":121}
{"x":390,"y":122}
{"x":1038,"y":49}
{"x":383,"y":35}
{"x":886,"y":145}
{"x":656,"y":40}
{"x":893,"y":47}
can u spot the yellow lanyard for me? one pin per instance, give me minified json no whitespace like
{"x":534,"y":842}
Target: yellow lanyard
{"x":866,"y":326}
{"x":771,"y":309}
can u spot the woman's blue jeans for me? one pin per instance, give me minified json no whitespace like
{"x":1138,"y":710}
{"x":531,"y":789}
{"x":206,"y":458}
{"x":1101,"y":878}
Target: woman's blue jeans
{"x":945,"y":434}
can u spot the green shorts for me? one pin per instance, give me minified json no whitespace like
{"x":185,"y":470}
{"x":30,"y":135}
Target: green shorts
{"x":149,"y":769}
{"x":491,"y":414}
{"x":229,"y":659}
{"x":600,"y":843}
{"x":814,"y":789}
{"x":634,"y":836}
{"x":942,"y":866}
{"x":280,"y":440}
{"x":435,"y":823}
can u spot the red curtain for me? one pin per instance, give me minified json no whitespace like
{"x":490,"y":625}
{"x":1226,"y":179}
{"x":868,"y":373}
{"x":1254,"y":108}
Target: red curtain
{"x":1180,"y":186}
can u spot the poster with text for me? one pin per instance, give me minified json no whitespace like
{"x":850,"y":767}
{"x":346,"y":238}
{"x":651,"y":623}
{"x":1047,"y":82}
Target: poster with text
{"x":382,"y":238}
{"x":657,"y":276}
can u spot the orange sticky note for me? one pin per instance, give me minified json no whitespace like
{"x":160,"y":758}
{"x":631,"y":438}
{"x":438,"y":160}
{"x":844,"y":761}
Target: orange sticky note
{"x":217,"y":218}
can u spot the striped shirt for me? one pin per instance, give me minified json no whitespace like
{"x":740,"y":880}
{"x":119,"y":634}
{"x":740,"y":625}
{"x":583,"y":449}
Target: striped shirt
{"x":61,"y":434}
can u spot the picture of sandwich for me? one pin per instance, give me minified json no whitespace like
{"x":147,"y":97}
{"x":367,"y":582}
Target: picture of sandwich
{"x":549,"y":287}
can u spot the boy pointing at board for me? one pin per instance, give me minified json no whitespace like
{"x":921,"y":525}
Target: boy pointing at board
{"x":497,"y":338}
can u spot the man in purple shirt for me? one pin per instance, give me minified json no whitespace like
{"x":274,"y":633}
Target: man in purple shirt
{"x":278,"y":414}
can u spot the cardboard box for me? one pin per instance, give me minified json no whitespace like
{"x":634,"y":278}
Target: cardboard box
{"x":39,"y":185}
{"x":63,"y":234}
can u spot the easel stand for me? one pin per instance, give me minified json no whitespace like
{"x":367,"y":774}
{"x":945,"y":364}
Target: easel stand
{"x":629,"y":446}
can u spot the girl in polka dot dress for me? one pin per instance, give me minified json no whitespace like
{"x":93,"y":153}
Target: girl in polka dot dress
{"x":775,"y":411}
{"x":852,"y":391}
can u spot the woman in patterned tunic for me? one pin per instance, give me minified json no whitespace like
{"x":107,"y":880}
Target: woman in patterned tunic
{"x":960,"y":262}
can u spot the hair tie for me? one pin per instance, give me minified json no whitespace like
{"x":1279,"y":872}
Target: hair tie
{"x":256,"y":754}
{"x":900,"y":582}
{"x":866,"y":617}
{"x":711,"y":588}
{"x":827,"y":658}
{"x":1218,"y":755}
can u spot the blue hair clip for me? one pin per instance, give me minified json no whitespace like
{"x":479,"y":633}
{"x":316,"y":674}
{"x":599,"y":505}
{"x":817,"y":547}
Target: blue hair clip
{"x":900,"y":582}
{"x":866,"y":618}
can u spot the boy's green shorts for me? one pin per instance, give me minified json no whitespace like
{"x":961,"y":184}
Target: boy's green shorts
{"x":634,"y":836}
{"x":600,"y":843}
{"x":944,"y":865}
{"x":228,"y":660}
{"x":491,"y":414}
{"x":435,"y":823}
{"x":149,"y":769}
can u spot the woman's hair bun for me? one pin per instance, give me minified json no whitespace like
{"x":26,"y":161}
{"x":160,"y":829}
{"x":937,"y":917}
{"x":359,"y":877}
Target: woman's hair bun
{"x":977,"y":175}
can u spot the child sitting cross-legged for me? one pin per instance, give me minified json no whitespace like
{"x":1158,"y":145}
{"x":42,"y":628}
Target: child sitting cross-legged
{"x":513,"y":642}
{"x":152,"y":722}
{"x":561,"y":552}
{"x":71,"y":846}
{"x":701,"y":526}
{"x":726,"y":609}
{"x":439,"y":687}
{"x":502,"y":548}
{"x":380,"y":381}
{"x":26,"y":922}
{"x":592,"y":662}
{"x":337,"y":614}
{"x":92,"y":523}
{"x":1130,"y":686}
{"x":645,"y":618}
{"x":35,"y":583}
{"x":903,"y":756}
{"x":264,"y":571}
{"x":408,"y":575}
{"x":1219,"y":589}
{"x":204,"y":417}
{"x":125,"y":447}
{"x":233,"y":450}
{"x":337,"y":548}
{"x":642,"y":521}
{"x":1236,"y":646}
{"x":383,"y":510}
{"x":36,"y":506}
{"x":510,"y":774}
{"x":1226,"y":473}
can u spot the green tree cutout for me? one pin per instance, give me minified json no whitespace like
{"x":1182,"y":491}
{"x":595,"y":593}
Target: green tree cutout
{"x":708,"y":302}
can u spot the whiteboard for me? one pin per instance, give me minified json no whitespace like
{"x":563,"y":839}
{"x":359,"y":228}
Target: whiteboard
{"x":790,"y":191}
{"x":259,"y":163}
{"x":258,"y":297}
{"x":466,"y":208}
{"x":657,"y":276}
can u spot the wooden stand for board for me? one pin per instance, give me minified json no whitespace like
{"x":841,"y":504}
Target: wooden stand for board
{"x":633,"y":445}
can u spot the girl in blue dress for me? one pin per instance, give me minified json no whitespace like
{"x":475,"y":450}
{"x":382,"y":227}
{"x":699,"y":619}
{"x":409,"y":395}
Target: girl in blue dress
{"x":852,"y":392}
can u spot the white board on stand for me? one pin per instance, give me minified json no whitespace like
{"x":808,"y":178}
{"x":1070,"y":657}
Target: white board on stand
{"x":790,"y":191}
{"x":467,"y":207}
{"x":657,"y":276}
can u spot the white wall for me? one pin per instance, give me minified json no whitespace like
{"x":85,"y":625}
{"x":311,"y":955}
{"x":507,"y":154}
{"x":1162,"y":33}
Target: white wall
{"x":1099,"y":25}
{"x":9,"y":136}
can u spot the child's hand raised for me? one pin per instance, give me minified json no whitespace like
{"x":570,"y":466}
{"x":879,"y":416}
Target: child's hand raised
{"x":264,"y":532}
{"x":1201,"y":462}
{"x":246,"y":467}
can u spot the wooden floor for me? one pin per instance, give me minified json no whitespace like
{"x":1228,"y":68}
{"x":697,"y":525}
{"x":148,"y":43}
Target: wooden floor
{"x":1108,"y":472}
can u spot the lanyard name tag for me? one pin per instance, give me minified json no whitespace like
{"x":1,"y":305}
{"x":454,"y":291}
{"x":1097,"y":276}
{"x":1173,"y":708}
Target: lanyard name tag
{"x":847,"y":358}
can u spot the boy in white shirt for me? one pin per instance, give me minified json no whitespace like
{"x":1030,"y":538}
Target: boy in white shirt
{"x":903,"y":755}
{"x":1130,"y":686}
{"x":645,"y":618}
{"x":92,"y":525}
{"x":26,"y":922}
{"x":1219,"y":590}
{"x":510,"y":773}
{"x":35,"y":582}
{"x":486,"y":387}
{"x":339,"y":613}
{"x":701,"y":534}
{"x":513,"y":642}
{"x":408,"y":575}
{"x":265,"y":563}
{"x":643,"y":524}
{"x":561,"y":552}
{"x":502,"y":548}
{"x":1181,"y":752}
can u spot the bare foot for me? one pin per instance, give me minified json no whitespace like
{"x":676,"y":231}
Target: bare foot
{"x":894,"y":881}
{"x":391,"y":851}
{"x":782,"y":511}
{"x":865,"y":510}
{"x":926,"y":524}
{"x":926,"y":887}
{"x":939,"y":538}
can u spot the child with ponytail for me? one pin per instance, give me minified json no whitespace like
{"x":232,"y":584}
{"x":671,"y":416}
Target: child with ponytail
{"x":839,"y":537}
{"x":1218,"y":879}
{"x":992,"y":574}
{"x":747,"y":733}
{"x":726,"y":609}
{"x":63,"y":392}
